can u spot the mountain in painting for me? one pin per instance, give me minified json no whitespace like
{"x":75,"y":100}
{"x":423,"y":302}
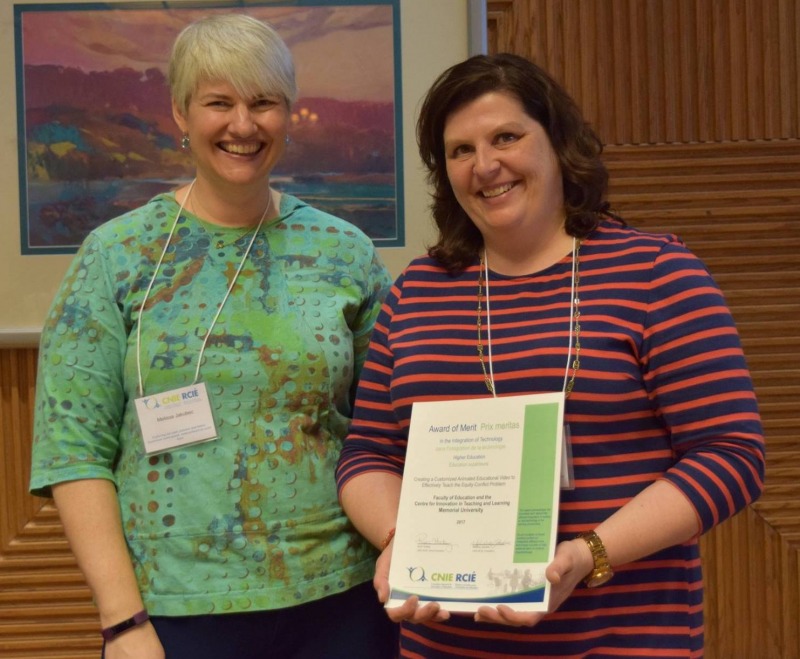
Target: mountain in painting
{"x":99,"y":125}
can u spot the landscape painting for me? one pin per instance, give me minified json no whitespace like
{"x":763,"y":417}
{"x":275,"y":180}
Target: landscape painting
{"x":97,"y":138}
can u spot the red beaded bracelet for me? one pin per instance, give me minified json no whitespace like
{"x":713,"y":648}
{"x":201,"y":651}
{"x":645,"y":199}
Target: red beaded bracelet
{"x":387,"y":539}
{"x":110,"y":633}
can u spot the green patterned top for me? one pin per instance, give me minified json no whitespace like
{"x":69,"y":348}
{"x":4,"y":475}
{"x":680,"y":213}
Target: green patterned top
{"x":251,"y":520}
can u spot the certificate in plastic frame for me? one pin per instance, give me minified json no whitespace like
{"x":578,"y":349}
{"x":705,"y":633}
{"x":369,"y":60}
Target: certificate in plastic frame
{"x":478,"y":513}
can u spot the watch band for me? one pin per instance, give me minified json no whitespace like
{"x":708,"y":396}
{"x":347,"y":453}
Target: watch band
{"x":110,"y":633}
{"x":602,"y":570}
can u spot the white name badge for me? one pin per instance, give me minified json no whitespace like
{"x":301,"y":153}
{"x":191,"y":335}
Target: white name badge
{"x":567,"y":468}
{"x":176,"y":418}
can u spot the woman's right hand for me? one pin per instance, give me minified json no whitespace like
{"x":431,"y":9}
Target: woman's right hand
{"x":89,"y":510}
{"x":410,"y":610}
{"x":138,"y":643}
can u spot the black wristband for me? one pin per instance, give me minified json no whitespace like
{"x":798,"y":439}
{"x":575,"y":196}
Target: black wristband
{"x":110,"y":633}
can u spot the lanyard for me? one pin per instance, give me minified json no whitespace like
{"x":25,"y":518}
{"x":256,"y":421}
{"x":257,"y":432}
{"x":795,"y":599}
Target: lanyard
{"x":222,"y":304}
{"x":573,"y":315}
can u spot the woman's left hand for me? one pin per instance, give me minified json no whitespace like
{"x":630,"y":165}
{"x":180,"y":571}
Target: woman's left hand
{"x":569,"y":566}
{"x":410,"y":610}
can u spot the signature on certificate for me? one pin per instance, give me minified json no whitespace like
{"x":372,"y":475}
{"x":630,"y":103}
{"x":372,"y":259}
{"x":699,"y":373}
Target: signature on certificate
{"x":432,"y":544}
{"x":489,"y":544}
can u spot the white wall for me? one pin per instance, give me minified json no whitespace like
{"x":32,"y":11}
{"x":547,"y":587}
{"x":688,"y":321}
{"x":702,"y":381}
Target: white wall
{"x":435,"y":35}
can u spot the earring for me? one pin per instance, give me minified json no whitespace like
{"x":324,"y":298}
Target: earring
{"x":287,"y":139}
{"x":185,"y":141}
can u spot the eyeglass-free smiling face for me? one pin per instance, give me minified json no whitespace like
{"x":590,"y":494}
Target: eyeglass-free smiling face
{"x":235,"y":141}
{"x":505,"y":174}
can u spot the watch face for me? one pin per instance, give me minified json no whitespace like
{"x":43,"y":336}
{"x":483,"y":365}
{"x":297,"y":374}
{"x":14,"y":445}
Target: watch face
{"x":599,"y":577}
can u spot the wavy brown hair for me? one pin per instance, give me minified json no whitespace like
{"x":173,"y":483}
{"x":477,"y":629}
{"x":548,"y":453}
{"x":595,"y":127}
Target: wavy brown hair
{"x":585,"y":178}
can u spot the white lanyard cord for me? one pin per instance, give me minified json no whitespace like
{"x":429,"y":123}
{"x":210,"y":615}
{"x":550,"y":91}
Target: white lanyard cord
{"x":572,"y":305}
{"x":219,"y":309}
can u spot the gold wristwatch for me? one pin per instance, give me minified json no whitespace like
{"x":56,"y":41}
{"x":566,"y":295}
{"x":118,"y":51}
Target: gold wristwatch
{"x":602,"y":571}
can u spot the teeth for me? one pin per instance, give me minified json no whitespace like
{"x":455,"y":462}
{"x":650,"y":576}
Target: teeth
{"x":241,"y":149}
{"x":494,"y":192}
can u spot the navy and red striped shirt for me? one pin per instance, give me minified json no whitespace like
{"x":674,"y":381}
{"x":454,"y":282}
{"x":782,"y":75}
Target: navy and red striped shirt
{"x":663,"y":392}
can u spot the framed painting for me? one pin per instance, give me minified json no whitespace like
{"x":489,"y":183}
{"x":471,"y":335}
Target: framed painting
{"x":99,"y":139}
{"x":94,"y":135}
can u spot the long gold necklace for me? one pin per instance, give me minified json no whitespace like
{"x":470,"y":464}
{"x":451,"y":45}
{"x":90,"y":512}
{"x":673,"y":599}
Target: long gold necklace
{"x":486,"y":379}
{"x":575,"y":322}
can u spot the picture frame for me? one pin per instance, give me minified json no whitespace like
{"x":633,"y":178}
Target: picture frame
{"x":425,"y":40}
{"x":97,"y":137}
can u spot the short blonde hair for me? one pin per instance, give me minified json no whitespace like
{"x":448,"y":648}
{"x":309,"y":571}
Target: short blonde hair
{"x":235,"y":48}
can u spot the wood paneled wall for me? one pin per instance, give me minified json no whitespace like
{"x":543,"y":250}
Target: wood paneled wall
{"x":666,"y":71}
{"x":697,"y":101}
{"x":46,"y":609}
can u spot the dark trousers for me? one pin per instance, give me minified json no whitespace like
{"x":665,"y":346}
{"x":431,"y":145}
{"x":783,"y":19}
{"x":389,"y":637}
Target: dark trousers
{"x":351,"y":625}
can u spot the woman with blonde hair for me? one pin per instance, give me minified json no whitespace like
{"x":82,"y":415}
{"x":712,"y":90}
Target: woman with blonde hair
{"x":196,"y":380}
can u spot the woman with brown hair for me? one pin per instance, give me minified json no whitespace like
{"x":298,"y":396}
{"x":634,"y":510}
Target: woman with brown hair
{"x":534,"y":286}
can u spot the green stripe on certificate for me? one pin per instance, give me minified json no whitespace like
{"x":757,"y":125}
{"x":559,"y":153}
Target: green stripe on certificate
{"x":536,"y":486}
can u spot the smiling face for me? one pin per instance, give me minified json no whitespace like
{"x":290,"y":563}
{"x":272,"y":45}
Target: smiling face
{"x":235,"y":141}
{"x":504,"y":172}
